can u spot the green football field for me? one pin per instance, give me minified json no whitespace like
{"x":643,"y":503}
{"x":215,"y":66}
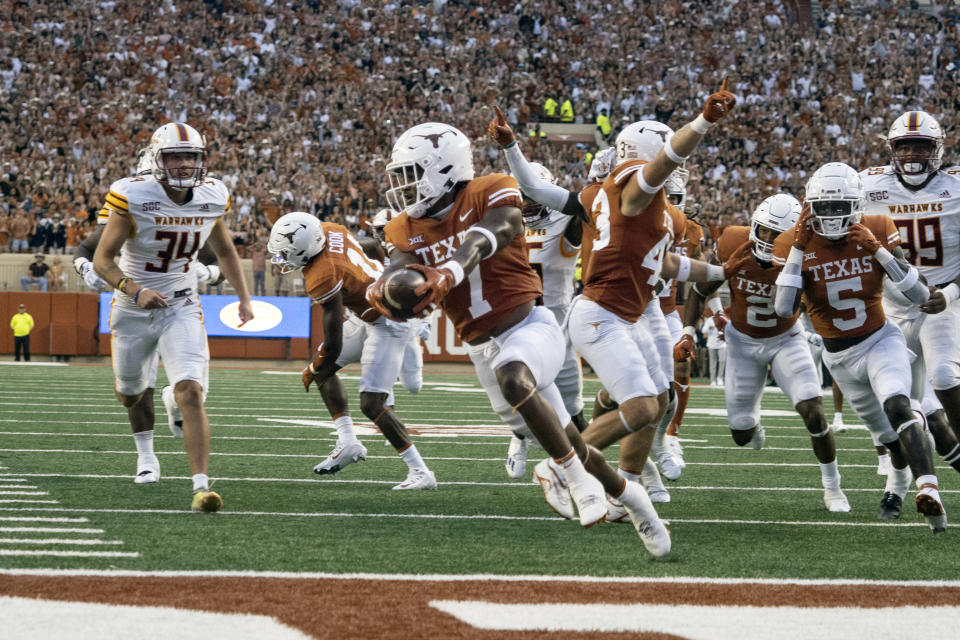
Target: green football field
{"x":67,"y":499}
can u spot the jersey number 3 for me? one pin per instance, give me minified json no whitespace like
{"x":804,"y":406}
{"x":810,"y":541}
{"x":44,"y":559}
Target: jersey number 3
{"x":176,"y":249}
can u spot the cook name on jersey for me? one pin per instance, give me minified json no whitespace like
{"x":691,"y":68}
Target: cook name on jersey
{"x":166,"y":237}
{"x":342,"y":267}
{"x":497,"y":285}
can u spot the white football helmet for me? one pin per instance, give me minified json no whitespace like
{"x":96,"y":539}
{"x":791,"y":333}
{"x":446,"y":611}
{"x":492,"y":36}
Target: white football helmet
{"x":379,"y":221}
{"x":426,"y":162}
{"x":641,"y":140}
{"x":535,"y":213}
{"x":294,"y":239}
{"x":676,"y":187}
{"x":915,"y":165}
{"x":145,"y":164}
{"x":604,"y":161}
{"x":835,"y":192}
{"x":175,"y":137}
{"x":779,"y":212}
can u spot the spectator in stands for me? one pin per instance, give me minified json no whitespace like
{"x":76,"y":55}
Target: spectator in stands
{"x":258,"y":259}
{"x":38,"y":274}
{"x":56,"y":278}
{"x":22,"y":324}
{"x":19,"y":228}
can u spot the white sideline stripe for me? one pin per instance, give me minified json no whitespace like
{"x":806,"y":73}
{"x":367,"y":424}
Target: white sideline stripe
{"x":69,"y":541}
{"x":520,"y":483}
{"x":48,"y":530}
{"x":476,"y":516}
{"x":477,"y":577}
{"x":38,"y":519}
{"x":7,"y":501}
{"x":705,"y":622}
{"x":69,"y":554}
{"x":16,"y":486}
{"x":24,"y":493}
{"x":34,"y":364}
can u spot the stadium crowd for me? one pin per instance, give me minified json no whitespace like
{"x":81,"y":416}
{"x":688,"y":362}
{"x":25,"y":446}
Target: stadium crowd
{"x":301,"y":102}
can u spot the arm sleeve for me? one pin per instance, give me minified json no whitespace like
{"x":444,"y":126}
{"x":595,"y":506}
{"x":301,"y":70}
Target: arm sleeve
{"x":789,"y":285}
{"x":550,"y":195}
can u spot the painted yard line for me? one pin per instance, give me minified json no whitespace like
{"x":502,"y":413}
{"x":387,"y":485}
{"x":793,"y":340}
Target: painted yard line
{"x":477,"y":516}
{"x":24,"y":493}
{"x":16,"y":486}
{"x":39,"y":519}
{"x":35,"y":364}
{"x":70,"y":541}
{"x":49,"y":530}
{"x":312,"y":424}
{"x":70,"y":554}
{"x":7,"y":501}
{"x":476,"y":577}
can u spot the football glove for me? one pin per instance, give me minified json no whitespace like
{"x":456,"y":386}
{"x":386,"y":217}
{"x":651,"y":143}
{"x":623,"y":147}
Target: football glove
{"x":719,"y":104}
{"x":90,"y":278}
{"x":438,"y":285}
{"x":864,"y":237}
{"x":499,"y":131}
{"x":685,"y":348}
{"x":737,"y":259}
{"x":803,"y":232}
{"x":374,"y":297}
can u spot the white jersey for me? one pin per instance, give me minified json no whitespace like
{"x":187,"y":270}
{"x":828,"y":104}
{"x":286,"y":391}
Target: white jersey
{"x":160,"y":253}
{"x":929,"y":224}
{"x":554,"y":259}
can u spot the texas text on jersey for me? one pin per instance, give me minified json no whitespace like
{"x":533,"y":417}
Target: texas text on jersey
{"x":499,"y":284}
{"x":842,"y":283}
{"x":928,"y":219}
{"x":627,"y":252}
{"x":166,"y":236}
{"x":342,"y":268}
{"x":752,"y":290}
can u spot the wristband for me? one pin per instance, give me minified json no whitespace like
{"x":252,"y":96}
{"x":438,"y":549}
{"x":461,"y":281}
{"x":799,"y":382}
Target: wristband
{"x":672,"y":154}
{"x":489,"y":236}
{"x":683,"y":269}
{"x":715,"y":273}
{"x":644,"y":185}
{"x":455,"y":268}
{"x":137,"y":296}
{"x":790,"y":280}
{"x":951,"y":292}
{"x":715,"y":305}
{"x":122,"y":284}
{"x":883,"y":256}
{"x":701,"y":125}
{"x":690,"y":331}
{"x":912,"y":277}
{"x":512,"y":144}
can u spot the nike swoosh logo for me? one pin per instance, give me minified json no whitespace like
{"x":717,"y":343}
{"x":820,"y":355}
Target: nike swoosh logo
{"x":464,"y":216}
{"x":795,"y":334}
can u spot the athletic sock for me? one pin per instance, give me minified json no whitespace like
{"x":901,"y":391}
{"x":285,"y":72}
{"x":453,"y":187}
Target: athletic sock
{"x":411,"y":456}
{"x":830,"y":475}
{"x":629,"y":476}
{"x":144,"y":442}
{"x":201,"y":482}
{"x":572,"y":468}
{"x":650,"y":478}
{"x":899,"y":481}
{"x":345,"y":432}
{"x":837,"y":417}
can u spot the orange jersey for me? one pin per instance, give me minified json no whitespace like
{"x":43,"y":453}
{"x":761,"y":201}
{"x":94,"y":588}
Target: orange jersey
{"x":586,"y":197}
{"x":689,"y":243}
{"x":627,"y":251}
{"x":752,"y":290}
{"x":342,"y":268}
{"x":497,"y":285}
{"x":842,"y":283}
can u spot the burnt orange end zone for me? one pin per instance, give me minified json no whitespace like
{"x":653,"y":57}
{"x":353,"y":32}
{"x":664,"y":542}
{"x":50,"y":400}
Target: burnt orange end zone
{"x":368,"y":608}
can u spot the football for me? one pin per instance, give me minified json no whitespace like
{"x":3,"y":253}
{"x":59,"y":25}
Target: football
{"x":399,"y":292}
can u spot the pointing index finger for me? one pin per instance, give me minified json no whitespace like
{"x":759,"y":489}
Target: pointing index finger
{"x":500,"y":118}
{"x":723,"y":85}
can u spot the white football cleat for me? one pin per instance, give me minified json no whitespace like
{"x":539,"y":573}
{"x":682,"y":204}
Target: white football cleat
{"x":835,"y":501}
{"x":759,"y":437}
{"x":341,"y":456}
{"x":616,"y":512}
{"x":555,"y":490}
{"x":517,"y":457}
{"x":590,"y":498}
{"x":174,"y":417}
{"x":838,"y":426}
{"x":930,"y":506}
{"x":669,"y":467}
{"x":419,"y":478}
{"x":673,"y":446}
{"x":651,"y":529}
{"x":650,"y":479}
{"x":147,"y":472}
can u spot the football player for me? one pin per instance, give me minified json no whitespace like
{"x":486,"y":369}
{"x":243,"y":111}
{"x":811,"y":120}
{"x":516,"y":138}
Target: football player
{"x":553,"y":239}
{"x":924,"y":201}
{"x":336,"y":274}
{"x":836,"y":258}
{"x":756,"y":339}
{"x":465,"y":235}
{"x":160,"y":221}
